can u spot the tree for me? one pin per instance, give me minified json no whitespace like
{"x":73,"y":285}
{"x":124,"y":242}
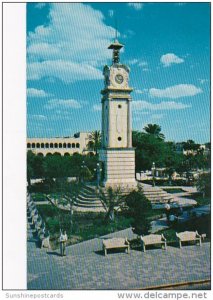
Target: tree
{"x":68,"y":194}
{"x":190,"y":145}
{"x":30,"y":167}
{"x":94,"y":141}
{"x":154,"y":130}
{"x":149,"y":149}
{"x":203,"y":184}
{"x":110,"y":198}
{"x":139,"y":206}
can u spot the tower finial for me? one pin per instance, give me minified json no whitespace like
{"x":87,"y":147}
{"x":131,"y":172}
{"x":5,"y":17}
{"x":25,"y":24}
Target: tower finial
{"x":116,"y":29}
{"x":116,"y":46}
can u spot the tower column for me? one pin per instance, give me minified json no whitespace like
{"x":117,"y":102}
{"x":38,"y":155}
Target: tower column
{"x":109,"y":125}
{"x":102,"y":126}
{"x":129,"y":127}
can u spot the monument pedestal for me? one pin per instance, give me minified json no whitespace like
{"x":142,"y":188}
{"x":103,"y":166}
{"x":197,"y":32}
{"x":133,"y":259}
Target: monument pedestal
{"x":119,"y":167}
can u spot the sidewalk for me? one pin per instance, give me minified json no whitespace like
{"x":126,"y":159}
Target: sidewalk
{"x":85,"y":267}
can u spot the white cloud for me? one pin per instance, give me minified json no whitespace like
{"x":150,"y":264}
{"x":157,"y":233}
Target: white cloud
{"x":139,"y":63}
{"x":63,"y":104}
{"x":37,"y":117}
{"x":144,"y":105}
{"x":71,"y":46}
{"x":31,"y":92}
{"x":143,"y":64}
{"x":133,"y":61}
{"x":136,"y":6}
{"x":65,"y":70}
{"x":40,"y":5}
{"x":176,"y":91}
{"x":202,"y":81}
{"x":157,"y":116}
{"x":170,"y":58}
{"x":97,"y":107}
{"x":137,"y":91}
{"x":111,"y":13}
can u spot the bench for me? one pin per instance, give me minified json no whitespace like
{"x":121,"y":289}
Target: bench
{"x":116,"y":243}
{"x":153,"y":239}
{"x":188,"y":236}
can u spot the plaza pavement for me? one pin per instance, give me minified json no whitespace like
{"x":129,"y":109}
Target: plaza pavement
{"x":85,"y":267}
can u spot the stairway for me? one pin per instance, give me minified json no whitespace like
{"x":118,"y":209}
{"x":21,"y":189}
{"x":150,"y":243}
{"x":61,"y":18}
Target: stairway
{"x":87,"y":200}
{"x":156,"y":195}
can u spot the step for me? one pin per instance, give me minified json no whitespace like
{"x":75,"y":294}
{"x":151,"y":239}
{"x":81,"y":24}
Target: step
{"x":88,"y":203}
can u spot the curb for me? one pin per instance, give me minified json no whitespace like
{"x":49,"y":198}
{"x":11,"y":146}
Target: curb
{"x":163,"y":286}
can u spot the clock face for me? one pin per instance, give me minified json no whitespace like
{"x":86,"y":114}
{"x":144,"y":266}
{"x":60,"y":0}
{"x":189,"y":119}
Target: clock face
{"x":119,"y":78}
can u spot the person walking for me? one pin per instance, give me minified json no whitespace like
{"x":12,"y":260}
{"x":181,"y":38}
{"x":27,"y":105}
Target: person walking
{"x":63,"y":241}
{"x":167,"y":207}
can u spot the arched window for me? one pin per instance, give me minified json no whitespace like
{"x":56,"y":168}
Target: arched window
{"x":60,"y":145}
{"x":38,"y":145}
{"x":42,"y":145}
{"x":66,"y":154}
{"x":40,"y":154}
{"x":69,"y":145}
{"x":90,"y":154}
{"x":49,"y":154}
{"x":28,"y":145}
{"x":51,"y":145}
{"x":73,"y":145}
{"x":47,"y":145}
{"x":33,"y":145}
{"x":64,"y":145}
{"x":57,"y":153}
{"x":77,"y":145}
{"x":56,"y":145}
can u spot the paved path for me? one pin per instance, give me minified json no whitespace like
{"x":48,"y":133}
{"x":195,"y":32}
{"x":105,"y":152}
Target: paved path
{"x":85,"y":267}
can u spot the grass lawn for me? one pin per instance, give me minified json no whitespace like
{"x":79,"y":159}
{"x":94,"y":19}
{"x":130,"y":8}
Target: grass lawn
{"x":39,"y":197}
{"x":85,"y":225}
{"x":201,"y":224}
{"x":200,"y":200}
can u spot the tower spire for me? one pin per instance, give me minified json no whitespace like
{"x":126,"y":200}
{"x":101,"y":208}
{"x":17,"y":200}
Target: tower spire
{"x":116,"y":46}
{"x":116,"y":30}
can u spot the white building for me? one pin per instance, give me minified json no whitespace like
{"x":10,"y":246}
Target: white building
{"x":63,"y":145}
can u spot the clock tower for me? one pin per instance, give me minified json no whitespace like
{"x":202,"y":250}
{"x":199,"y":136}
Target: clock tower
{"x":117,"y":154}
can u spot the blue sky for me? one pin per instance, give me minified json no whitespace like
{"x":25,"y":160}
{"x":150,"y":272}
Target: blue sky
{"x":167,"y":46}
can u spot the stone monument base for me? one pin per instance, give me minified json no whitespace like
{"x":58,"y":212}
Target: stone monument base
{"x":119,"y":167}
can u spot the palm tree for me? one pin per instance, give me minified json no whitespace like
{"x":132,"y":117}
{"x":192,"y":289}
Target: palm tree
{"x":154,"y":130}
{"x":111,"y":199}
{"x":94,"y":141}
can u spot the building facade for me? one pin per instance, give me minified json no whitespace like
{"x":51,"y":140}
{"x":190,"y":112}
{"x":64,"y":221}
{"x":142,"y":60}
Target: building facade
{"x":62,"y":145}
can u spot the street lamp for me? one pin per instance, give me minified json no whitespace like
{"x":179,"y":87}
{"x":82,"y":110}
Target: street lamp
{"x":98,"y":170}
{"x":83,"y":166}
{"x":153,"y":173}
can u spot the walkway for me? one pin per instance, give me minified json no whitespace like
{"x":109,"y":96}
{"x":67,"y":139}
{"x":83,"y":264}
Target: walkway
{"x":85,"y":267}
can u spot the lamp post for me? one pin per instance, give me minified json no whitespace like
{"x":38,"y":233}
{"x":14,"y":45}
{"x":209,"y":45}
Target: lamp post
{"x":98,"y":170}
{"x":83,"y":166}
{"x":153,"y":174}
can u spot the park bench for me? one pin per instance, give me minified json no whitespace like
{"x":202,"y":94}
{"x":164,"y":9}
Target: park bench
{"x":188,"y":236}
{"x":153,"y":239}
{"x":116,"y":243}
